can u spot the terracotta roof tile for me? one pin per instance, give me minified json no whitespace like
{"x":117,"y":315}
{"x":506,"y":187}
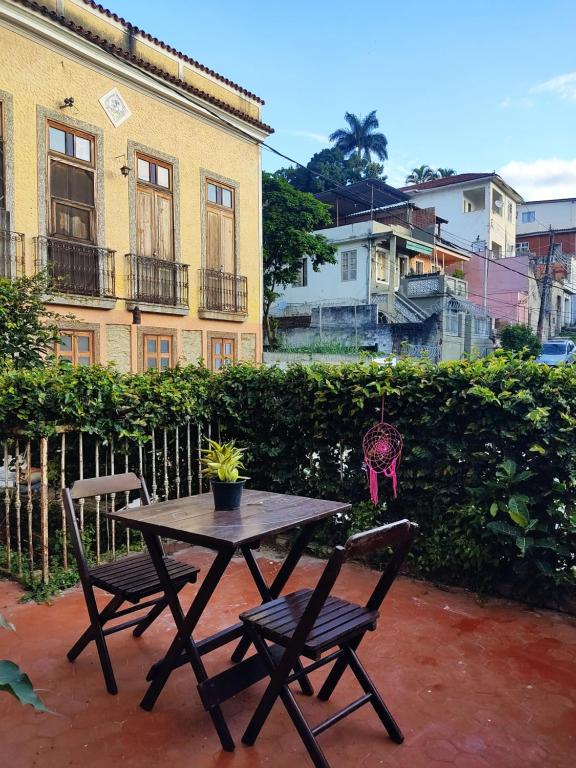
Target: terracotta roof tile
{"x":170,"y":49}
{"x":142,"y":63}
{"x":459,"y":178}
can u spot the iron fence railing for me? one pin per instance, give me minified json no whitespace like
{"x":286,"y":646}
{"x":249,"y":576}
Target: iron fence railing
{"x":77,"y":268}
{"x":157,"y":281}
{"x":33,"y":473}
{"x":223,"y":292}
{"x":12,"y":254}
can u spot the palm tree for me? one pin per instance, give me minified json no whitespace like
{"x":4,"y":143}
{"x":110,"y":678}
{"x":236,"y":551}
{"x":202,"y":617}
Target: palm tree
{"x":444,"y":173}
{"x":361,"y":137}
{"x":421,"y":174}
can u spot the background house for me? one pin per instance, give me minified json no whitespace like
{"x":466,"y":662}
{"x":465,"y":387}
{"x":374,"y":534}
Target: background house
{"x":546,"y":223}
{"x":131,"y":173}
{"x":480,"y":207}
{"x":390,"y":287}
{"x":504,"y":272}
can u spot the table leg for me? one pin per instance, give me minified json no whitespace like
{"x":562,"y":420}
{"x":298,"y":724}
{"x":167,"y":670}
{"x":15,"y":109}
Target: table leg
{"x":185,"y":625}
{"x":279,"y":581}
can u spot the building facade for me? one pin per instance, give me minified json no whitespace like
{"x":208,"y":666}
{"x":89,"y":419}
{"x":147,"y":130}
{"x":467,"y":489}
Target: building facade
{"x":550,"y":225}
{"x":484,"y":213}
{"x":131,"y":174}
{"x":395,"y":285}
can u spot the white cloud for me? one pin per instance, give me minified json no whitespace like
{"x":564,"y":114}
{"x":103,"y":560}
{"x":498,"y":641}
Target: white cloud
{"x":541,"y":179}
{"x":520,"y":103}
{"x":318,"y":137}
{"x":562,"y":85}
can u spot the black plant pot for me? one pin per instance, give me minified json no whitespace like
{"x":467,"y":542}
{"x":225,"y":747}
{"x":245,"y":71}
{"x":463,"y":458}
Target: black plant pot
{"x":227,"y":495}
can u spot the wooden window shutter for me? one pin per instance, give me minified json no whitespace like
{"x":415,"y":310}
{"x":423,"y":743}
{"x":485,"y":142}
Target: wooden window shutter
{"x":144,"y":222}
{"x":164,"y":229}
{"x":227,"y":243}
{"x":213,"y":234}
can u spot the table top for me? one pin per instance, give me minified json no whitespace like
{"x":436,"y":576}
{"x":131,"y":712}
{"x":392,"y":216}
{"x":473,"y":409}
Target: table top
{"x":193,"y":519}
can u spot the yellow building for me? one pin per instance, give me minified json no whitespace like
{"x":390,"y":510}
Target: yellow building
{"x":131,"y":173}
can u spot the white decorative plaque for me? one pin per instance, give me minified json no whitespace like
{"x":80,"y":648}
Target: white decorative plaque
{"x":115,"y":107}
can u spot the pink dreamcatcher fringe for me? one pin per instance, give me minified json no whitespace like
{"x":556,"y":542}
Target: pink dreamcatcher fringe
{"x":389,"y":472}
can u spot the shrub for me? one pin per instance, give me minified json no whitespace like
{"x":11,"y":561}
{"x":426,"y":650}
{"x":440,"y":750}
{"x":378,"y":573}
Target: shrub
{"x":488,"y":470}
{"x":518,"y":338}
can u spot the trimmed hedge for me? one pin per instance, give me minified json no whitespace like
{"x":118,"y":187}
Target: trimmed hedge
{"x":489,"y":463}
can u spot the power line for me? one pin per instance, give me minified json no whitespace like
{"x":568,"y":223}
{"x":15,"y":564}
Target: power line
{"x":354,"y":197}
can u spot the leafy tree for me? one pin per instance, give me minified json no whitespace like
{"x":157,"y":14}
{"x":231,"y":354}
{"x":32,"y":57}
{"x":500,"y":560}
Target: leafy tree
{"x":520,"y":337}
{"x":289,"y":219}
{"x":332,"y":164}
{"x":361,"y":138}
{"x":421,"y":174}
{"x":28,"y":330}
{"x":444,"y":173}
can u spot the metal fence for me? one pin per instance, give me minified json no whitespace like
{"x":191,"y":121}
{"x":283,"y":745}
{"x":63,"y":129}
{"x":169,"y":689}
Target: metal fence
{"x":157,"y":281}
{"x":12,"y":255}
{"x":223,"y":291}
{"x":77,"y":268}
{"x":33,"y":473}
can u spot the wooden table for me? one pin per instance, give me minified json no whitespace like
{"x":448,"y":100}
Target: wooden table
{"x":193,"y":520}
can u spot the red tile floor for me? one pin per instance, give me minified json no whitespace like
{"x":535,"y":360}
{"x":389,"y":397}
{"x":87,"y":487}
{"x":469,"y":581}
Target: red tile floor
{"x":472,"y":686}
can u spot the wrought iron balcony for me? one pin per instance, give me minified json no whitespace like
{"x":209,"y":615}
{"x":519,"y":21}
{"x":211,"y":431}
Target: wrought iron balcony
{"x":11,"y":254}
{"x":157,"y":281}
{"x":223,"y":291}
{"x":77,"y":268}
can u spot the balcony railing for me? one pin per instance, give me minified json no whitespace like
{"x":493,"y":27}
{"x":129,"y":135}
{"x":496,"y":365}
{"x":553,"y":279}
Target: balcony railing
{"x":77,"y":268}
{"x":157,"y":281}
{"x":223,"y":292}
{"x":11,"y":254}
{"x":421,"y":286}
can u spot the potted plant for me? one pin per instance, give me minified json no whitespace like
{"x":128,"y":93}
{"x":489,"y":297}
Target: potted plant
{"x":221,"y":464}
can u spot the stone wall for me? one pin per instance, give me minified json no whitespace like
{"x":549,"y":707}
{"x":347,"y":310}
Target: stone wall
{"x":118,"y":343}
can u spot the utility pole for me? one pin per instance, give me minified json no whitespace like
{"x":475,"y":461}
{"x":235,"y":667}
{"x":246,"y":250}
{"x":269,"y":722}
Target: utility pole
{"x":545,"y":286}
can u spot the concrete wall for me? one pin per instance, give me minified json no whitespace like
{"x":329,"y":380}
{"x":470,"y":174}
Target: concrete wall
{"x":351,"y":326}
{"x":327,"y":284}
{"x":558,"y":214}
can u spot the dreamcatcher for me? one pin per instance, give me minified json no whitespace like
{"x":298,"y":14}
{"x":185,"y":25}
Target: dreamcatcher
{"x":382,"y":446}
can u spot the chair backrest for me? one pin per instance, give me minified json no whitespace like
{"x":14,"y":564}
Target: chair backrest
{"x":397,"y":536}
{"x":97,"y":486}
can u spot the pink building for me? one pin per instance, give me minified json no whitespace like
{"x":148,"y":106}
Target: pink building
{"x":505,"y":287}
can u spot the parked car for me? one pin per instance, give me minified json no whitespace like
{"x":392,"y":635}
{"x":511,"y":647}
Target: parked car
{"x":557,"y":352}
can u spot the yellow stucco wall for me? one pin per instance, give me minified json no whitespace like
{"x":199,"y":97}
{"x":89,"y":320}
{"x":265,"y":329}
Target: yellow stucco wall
{"x":43,"y":78}
{"x":146,"y":49}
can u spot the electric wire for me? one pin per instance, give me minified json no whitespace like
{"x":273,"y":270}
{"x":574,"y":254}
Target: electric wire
{"x":354,"y":197}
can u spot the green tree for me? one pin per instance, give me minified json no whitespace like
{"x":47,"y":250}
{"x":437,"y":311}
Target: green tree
{"x":289,"y":220}
{"x":519,"y":337}
{"x":28,"y":330}
{"x":328,"y":169}
{"x":421,"y":174}
{"x":361,"y":138}
{"x":444,"y":173}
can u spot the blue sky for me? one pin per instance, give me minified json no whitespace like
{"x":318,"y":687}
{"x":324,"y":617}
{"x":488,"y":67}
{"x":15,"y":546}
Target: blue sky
{"x":481,"y":86}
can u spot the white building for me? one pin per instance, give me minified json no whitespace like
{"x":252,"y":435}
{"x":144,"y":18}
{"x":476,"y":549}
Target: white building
{"x":480,"y":208}
{"x":391,"y":287}
{"x":545,"y":224}
{"x":540,"y":215}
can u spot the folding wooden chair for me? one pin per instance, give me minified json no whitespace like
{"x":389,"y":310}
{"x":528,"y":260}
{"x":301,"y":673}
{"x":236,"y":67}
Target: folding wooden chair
{"x":129,"y":579}
{"x":309,"y":622}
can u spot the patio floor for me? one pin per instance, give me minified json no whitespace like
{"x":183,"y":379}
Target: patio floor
{"x":473,"y":686}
